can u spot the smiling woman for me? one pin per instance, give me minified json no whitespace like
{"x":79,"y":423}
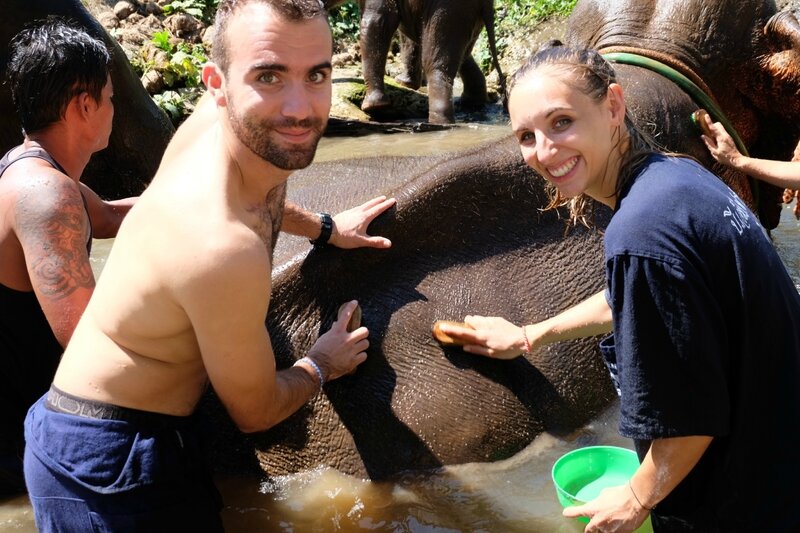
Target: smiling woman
{"x":686,"y":345}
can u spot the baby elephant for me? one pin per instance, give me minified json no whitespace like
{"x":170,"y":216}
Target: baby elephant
{"x":437,"y":37}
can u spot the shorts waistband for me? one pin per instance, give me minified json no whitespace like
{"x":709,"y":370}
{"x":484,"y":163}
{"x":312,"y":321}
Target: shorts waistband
{"x":62,"y":402}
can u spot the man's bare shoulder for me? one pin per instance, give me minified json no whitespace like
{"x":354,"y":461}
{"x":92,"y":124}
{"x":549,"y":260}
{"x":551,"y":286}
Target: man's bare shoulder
{"x":190,"y":239}
{"x":229,"y":250}
{"x":39,"y":186}
{"x":37,"y":199}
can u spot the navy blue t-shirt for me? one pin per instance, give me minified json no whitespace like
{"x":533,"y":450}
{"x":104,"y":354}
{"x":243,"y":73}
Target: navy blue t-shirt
{"x":707,"y":342}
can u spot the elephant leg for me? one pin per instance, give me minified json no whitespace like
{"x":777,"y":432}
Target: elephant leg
{"x":379,"y":21}
{"x":447,"y":39}
{"x":440,"y":97}
{"x":474,"y":94}
{"x":410,"y":54}
{"x":441,"y":67}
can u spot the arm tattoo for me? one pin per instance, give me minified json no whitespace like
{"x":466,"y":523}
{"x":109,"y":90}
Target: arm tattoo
{"x":55,"y":244}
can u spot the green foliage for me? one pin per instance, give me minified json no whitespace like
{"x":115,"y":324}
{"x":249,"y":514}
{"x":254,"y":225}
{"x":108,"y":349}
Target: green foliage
{"x":186,"y":64}
{"x":185,"y":61}
{"x":161,"y":40}
{"x":178,"y":104}
{"x":345,"y":21}
{"x":181,"y":72}
{"x":201,"y":9}
{"x":514,"y":15}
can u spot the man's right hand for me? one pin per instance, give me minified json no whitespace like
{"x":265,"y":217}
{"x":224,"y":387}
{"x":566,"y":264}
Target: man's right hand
{"x":338,"y":352}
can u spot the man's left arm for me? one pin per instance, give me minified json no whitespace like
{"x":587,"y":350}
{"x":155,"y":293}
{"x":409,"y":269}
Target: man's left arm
{"x":106,"y":216}
{"x":348,"y":228}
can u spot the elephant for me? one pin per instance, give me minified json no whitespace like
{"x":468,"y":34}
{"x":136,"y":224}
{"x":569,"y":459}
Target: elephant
{"x":469,"y":235}
{"x":140,"y":131}
{"x":437,"y":37}
{"x":743,"y":52}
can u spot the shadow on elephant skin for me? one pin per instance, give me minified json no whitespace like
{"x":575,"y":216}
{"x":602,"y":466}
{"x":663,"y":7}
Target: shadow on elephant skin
{"x":526,"y":382}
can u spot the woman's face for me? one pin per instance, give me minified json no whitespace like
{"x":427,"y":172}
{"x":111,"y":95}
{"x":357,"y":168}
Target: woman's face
{"x":565,"y":135}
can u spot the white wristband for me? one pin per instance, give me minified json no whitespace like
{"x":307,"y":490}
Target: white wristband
{"x":316,"y":368}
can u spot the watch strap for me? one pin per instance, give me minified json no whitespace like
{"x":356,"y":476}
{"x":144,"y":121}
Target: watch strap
{"x":326,"y":222}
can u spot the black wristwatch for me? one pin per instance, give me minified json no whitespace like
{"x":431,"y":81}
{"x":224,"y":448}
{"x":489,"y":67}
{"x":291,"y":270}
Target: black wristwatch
{"x":325,"y":233}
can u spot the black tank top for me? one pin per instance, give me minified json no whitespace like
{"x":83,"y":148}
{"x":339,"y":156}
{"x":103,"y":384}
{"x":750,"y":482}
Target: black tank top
{"x":29,"y":351}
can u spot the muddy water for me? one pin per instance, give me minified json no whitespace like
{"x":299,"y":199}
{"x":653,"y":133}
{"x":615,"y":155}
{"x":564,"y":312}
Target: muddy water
{"x":515,"y":495}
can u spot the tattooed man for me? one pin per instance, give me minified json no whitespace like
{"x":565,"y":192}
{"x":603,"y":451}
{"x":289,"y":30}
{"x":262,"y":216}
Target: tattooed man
{"x":62,"y":91}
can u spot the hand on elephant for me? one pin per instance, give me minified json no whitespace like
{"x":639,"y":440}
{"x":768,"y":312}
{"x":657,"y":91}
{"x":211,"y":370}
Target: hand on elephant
{"x":350,"y":227}
{"x":614,"y":510}
{"x":489,"y":336}
{"x":337,"y":351}
{"x":720,"y":144}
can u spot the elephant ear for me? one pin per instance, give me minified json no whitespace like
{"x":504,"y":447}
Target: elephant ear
{"x":782,"y":35}
{"x":783,"y":31}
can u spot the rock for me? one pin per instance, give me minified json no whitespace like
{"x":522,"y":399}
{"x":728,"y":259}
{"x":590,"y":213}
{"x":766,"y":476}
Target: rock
{"x":152,"y":8}
{"x":154,"y":55}
{"x":108,"y":20}
{"x":124,"y":9}
{"x":340,"y":60}
{"x":348,"y":94}
{"x":153,"y":81}
{"x":207,"y":37}
{"x":184,"y":26}
{"x":133,"y":19}
{"x":150,"y":25}
{"x":130,"y":38}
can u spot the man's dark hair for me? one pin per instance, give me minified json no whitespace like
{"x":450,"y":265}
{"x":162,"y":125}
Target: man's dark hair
{"x":292,"y":10}
{"x":52,"y":61}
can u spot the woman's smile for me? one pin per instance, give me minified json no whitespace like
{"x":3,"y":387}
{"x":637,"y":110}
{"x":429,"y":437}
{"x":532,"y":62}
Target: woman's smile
{"x":563,"y":169}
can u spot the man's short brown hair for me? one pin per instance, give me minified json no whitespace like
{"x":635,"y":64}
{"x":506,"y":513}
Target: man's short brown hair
{"x":292,"y":10}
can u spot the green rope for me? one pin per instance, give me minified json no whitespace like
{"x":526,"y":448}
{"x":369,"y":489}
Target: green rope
{"x":695,"y":92}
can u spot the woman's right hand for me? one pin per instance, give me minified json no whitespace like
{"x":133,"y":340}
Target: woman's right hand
{"x":493,"y":336}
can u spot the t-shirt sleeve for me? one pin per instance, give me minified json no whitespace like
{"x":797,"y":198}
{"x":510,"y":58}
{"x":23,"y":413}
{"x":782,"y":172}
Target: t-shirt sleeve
{"x":670,"y":350}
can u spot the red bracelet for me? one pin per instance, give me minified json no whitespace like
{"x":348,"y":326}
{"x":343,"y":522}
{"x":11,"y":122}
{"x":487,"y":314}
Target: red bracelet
{"x":527,"y":342}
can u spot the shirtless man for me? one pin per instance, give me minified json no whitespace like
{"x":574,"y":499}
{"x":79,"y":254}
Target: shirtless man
{"x":184,"y":296}
{"x":60,"y":85}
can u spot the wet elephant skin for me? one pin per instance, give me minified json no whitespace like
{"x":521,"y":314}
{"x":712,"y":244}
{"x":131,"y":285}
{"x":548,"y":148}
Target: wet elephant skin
{"x":468,"y":236}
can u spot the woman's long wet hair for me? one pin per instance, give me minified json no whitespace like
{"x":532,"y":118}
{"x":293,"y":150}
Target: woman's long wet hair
{"x":592,"y":75}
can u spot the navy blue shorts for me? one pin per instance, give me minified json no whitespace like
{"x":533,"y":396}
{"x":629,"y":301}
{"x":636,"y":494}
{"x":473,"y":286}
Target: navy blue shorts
{"x":91,"y":474}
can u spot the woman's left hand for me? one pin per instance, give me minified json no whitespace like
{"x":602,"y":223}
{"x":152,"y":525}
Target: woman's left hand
{"x":614,"y":511}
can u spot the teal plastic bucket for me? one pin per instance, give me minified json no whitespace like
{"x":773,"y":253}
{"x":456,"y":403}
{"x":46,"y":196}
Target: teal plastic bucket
{"x":580,"y":475}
